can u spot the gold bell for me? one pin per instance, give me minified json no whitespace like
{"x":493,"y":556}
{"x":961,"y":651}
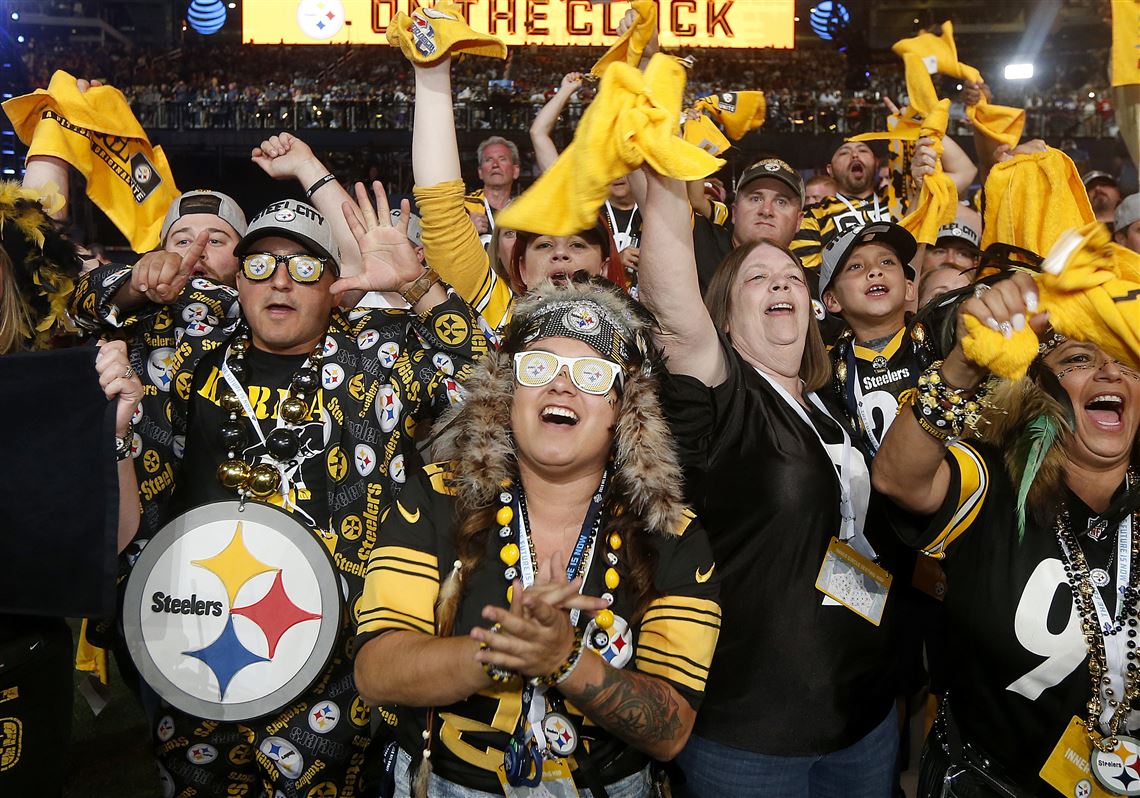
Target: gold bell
{"x":264,"y":480}
{"x":294,"y":410}
{"x":230,"y":402}
{"x":233,"y":473}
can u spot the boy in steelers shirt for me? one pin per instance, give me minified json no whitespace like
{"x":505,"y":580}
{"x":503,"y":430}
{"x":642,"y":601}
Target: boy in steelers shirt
{"x":866,"y":279}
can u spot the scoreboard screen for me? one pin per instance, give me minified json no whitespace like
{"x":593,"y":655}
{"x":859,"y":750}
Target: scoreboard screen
{"x":682,"y":23}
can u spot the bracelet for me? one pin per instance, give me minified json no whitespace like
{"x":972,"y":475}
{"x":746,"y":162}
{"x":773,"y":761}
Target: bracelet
{"x":497,"y":672}
{"x":123,"y":446}
{"x":313,"y":188}
{"x":415,"y":292}
{"x":943,"y":411}
{"x":566,"y":668}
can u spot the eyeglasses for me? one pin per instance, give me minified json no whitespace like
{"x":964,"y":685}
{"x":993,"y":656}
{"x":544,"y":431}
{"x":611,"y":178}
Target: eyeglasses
{"x":261,"y":266}
{"x":593,"y":375}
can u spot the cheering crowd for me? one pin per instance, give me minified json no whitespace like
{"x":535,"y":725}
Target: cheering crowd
{"x":632,"y":483}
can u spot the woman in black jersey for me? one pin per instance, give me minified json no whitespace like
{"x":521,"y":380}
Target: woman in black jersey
{"x":799,"y":700}
{"x":1036,"y":521}
{"x":543,"y":588}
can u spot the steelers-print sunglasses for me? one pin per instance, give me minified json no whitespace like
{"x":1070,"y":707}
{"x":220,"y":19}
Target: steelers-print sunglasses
{"x":261,"y":266}
{"x":594,"y":375}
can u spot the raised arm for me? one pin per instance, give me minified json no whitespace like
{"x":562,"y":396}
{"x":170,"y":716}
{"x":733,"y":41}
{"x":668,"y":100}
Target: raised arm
{"x":435,"y":148}
{"x":667,"y":283}
{"x":121,"y":385}
{"x":545,"y":153}
{"x":910,"y":467}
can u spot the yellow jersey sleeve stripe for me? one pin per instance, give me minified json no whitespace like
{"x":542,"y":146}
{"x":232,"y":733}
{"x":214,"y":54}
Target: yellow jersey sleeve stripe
{"x":379,"y":619}
{"x":670,"y":673}
{"x":402,"y":566}
{"x":407,"y":555}
{"x":973,"y":483}
{"x":719,"y":212}
{"x":698,"y":668}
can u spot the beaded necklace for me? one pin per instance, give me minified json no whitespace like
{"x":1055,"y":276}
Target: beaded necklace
{"x":1084,"y":590}
{"x":283,"y":443}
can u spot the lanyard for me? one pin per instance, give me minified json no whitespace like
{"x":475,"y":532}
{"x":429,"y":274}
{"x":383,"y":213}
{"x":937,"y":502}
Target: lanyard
{"x":853,"y":209}
{"x":490,"y":213}
{"x":613,"y":220}
{"x":1115,"y":646}
{"x":533,"y":698}
{"x":855,"y":401}
{"x":854,"y":482}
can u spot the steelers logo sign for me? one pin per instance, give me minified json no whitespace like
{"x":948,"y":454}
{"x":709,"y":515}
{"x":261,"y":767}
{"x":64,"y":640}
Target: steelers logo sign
{"x":284,"y":755}
{"x":231,"y":615}
{"x":1118,"y":770}
{"x":160,"y":368}
{"x":452,"y":329}
{"x":388,"y":408}
{"x":202,"y":754}
{"x":320,"y":19}
{"x":396,"y":469}
{"x":324,"y":717}
{"x":581,"y":320}
{"x":285,"y":215}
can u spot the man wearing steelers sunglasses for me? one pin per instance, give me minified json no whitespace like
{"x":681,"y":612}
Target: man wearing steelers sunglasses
{"x":278,"y":395}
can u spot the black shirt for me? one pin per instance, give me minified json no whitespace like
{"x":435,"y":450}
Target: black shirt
{"x":790,"y":677}
{"x":267,"y":383}
{"x":711,"y":243}
{"x":1018,"y":663}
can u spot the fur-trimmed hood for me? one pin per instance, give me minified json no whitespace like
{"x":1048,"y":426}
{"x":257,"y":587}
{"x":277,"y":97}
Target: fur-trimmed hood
{"x":477,"y":434}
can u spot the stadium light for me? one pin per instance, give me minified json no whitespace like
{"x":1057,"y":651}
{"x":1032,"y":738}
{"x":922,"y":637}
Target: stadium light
{"x":15,"y":16}
{"x":1018,"y":71}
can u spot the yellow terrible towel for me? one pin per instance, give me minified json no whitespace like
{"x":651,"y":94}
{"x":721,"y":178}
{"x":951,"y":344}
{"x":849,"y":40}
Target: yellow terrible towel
{"x":430,"y":35}
{"x":704,"y":133}
{"x":90,"y":658}
{"x":1091,"y":289}
{"x":634,"y":119}
{"x":630,"y":47}
{"x":1032,"y":199}
{"x":96,"y":132}
{"x":940,"y":54}
{"x":737,"y":111}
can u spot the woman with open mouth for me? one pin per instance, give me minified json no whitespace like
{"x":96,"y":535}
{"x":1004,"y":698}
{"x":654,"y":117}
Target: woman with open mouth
{"x":800,"y":696}
{"x":541,"y":605}
{"x":1035,"y":519}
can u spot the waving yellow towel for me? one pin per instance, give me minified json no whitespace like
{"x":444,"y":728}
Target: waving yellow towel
{"x":1032,"y":199}
{"x":737,"y":111}
{"x":634,"y":119}
{"x":1091,"y":288}
{"x":630,"y":47}
{"x":704,"y":133}
{"x":429,"y":35}
{"x":940,"y":54}
{"x":95,"y":131}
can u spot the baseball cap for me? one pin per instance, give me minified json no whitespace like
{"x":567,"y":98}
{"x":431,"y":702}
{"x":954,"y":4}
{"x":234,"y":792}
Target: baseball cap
{"x":212,"y":202}
{"x":837,"y":251}
{"x":961,"y":231}
{"x":776,"y":169}
{"x":1127,"y":212}
{"x":296,"y":221}
{"x":1093,"y":176}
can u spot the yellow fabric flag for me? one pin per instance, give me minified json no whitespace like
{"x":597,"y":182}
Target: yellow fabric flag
{"x":737,"y":111}
{"x":1091,"y":288}
{"x":630,"y":47}
{"x":927,"y":116}
{"x":89,"y":658}
{"x":704,"y":133}
{"x":1125,"y":42}
{"x":429,"y":35}
{"x":940,"y":54}
{"x":634,"y":119}
{"x":1031,"y":199}
{"x":96,"y":132}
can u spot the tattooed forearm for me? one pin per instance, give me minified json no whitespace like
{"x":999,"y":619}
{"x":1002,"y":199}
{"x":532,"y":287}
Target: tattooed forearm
{"x":643,"y":711}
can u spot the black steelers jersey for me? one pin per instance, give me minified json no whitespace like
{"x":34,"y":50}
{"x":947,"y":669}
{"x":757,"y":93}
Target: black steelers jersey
{"x":673,"y":640}
{"x":868,"y":383}
{"x":832,"y":217}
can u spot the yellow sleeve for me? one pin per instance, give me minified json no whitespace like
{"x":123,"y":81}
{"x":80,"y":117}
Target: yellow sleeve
{"x":969,"y":484}
{"x":452,"y":248}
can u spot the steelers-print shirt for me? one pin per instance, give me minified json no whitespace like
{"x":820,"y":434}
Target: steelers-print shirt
{"x":1017,"y":668}
{"x":673,"y":640}
{"x":867,"y":383}
{"x":832,"y":217}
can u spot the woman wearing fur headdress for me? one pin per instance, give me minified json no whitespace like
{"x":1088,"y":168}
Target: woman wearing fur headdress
{"x":544,"y":590}
{"x":1036,"y":522}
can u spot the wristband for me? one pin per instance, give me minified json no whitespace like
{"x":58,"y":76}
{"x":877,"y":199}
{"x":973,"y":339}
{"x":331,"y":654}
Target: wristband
{"x":123,"y":446}
{"x":313,"y":188}
{"x":566,"y":668}
{"x":415,"y":292}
